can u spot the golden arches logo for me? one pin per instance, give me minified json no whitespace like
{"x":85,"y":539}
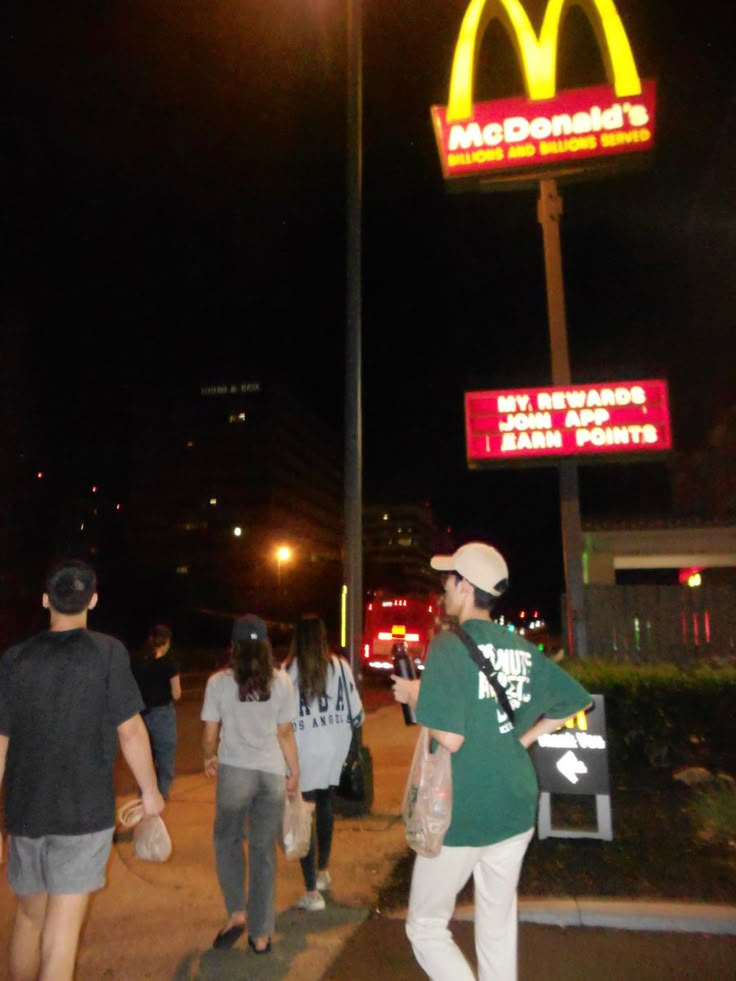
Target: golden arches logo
{"x":538,"y":54}
{"x":579,"y":721}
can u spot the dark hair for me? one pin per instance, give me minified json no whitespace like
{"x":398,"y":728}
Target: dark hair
{"x":252,"y":665}
{"x":160,"y":634}
{"x":309,"y":647}
{"x":482,"y":599}
{"x":70,"y":586}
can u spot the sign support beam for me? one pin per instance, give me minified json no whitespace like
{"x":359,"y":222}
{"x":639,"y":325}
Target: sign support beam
{"x":549,"y":213}
{"x":604,"y":828}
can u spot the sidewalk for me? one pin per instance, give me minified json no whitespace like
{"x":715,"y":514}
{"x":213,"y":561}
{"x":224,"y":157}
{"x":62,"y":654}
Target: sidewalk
{"x":158,"y":921}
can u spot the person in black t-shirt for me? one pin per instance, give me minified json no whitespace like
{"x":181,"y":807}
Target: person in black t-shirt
{"x":67,"y":700}
{"x":157,"y":672}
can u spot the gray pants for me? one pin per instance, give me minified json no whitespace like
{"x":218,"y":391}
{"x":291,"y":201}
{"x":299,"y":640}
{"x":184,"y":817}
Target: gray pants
{"x":257,"y":797}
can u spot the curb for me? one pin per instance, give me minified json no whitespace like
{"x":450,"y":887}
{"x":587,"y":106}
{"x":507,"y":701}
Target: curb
{"x":617,"y":914}
{"x":631,"y":915}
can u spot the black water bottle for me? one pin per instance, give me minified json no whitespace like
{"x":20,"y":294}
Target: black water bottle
{"x":404,"y":667}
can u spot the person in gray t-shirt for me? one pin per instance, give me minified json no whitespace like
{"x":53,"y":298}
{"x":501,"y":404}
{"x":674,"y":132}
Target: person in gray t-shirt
{"x":249,"y":709}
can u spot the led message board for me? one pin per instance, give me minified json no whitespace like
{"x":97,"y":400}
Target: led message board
{"x":548,"y":133}
{"x":612,"y":418}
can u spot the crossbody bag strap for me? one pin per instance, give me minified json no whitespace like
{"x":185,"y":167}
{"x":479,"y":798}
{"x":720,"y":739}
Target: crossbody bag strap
{"x":484,"y":665}
{"x":347,"y":690}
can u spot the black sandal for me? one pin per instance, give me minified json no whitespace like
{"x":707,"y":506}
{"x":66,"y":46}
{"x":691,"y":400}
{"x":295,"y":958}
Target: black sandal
{"x":228,"y":936}
{"x":262,"y":950}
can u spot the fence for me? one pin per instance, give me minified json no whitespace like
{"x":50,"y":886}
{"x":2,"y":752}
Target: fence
{"x":661,"y":623}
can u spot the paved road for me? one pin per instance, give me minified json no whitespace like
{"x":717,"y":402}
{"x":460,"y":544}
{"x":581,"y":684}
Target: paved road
{"x":379,"y":949}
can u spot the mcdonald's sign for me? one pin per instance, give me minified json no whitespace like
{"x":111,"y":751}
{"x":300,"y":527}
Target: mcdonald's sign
{"x":547,"y":133}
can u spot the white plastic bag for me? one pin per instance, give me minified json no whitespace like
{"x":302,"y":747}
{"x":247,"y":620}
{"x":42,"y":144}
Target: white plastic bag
{"x":296,"y":830}
{"x":427,"y":806}
{"x":151,"y":839}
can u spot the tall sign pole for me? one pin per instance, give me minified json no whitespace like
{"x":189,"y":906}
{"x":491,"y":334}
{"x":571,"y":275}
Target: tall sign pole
{"x":353,"y":554}
{"x":549,"y":214}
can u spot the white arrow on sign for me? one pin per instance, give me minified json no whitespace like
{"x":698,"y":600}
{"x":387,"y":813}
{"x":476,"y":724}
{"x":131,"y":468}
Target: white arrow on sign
{"x":569,"y":766}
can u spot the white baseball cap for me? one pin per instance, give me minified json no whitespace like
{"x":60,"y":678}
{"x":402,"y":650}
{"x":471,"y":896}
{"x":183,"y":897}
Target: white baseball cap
{"x":479,"y":563}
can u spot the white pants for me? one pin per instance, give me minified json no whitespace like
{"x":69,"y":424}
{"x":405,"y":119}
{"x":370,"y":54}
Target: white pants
{"x":435,"y":884}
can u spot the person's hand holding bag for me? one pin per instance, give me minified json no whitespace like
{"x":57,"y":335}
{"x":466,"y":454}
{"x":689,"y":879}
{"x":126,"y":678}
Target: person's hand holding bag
{"x":151,"y":840}
{"x":292,"y":786}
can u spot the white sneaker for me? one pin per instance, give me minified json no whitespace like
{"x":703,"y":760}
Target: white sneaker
{"x":324,"y":880}
{"x":311,"y":903}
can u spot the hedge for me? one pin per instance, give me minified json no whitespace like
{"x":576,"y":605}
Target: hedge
{"x":665,"y":715}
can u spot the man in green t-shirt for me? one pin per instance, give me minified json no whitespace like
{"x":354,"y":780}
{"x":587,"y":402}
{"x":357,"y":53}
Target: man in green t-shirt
{"x":494,"y":782}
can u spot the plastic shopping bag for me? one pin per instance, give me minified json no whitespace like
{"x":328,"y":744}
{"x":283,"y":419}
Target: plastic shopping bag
{"x":151,"y":839}
{"x":427,"y":806}
{"x":296,"y":830}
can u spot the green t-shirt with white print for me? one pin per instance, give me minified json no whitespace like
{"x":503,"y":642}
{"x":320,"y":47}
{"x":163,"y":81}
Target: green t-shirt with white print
{"x":494,"y":784}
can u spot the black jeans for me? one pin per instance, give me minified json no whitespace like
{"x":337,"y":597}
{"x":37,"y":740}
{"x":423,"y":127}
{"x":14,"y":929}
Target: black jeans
{"x":320,"y":844}
{"x":161,"y":724}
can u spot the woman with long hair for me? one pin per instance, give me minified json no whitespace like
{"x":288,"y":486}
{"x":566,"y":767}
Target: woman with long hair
{"x":249,"y":709}
{"x":328,"y":699}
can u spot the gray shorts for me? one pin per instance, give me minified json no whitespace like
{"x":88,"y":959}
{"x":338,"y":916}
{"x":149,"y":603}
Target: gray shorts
{"x":58,"y":864}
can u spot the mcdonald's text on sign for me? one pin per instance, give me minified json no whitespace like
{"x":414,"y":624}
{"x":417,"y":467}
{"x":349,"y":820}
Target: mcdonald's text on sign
{"x":621,"y":418}
{"x":548,"y":133}
{"x":588,"y":124}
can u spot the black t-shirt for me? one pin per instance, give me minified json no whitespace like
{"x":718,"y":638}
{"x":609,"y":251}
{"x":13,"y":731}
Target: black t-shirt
{"x":154,"y":675}
{"x":62,"y":696}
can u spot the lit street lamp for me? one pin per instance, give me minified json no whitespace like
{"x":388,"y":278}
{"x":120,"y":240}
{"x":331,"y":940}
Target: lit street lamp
{"x":283,"y":554}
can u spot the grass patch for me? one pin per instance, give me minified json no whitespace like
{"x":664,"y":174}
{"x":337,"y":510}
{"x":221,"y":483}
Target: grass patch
{"x":712,"y":812}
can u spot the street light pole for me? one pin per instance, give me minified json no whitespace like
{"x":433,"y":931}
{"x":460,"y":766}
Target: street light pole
{"x":353,"y":555}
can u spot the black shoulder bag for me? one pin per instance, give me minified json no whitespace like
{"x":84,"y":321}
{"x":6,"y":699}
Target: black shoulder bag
{"x":356,"y":777}
{"x":484,"y":665}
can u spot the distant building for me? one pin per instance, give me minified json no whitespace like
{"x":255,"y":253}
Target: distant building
{"x":398,"y":542}
{"x":222,"y":478}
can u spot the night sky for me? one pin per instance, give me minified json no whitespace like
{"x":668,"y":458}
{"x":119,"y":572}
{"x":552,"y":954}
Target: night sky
{"x":174,"y":212}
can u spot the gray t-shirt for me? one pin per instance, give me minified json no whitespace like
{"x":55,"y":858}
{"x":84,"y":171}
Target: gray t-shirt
{"x":248,"y":729}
